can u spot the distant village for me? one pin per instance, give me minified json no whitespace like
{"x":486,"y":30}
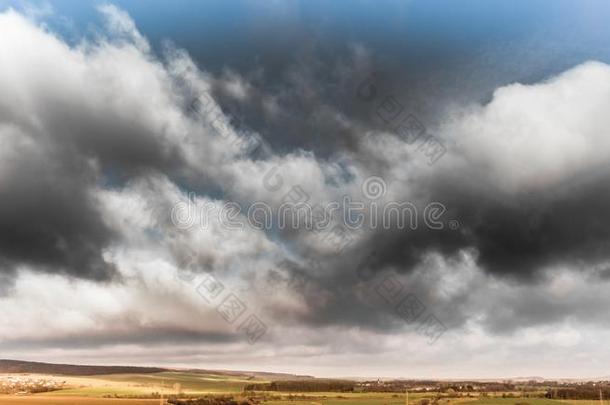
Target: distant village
{"x":508,"y":389}
{"x":26,"y":384}
{"x":505,"y":389}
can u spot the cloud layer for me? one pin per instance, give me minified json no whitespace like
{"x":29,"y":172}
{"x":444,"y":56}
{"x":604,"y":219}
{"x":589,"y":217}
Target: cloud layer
{"x":101,"y":139}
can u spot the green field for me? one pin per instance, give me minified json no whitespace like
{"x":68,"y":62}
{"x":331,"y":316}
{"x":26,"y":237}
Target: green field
{"x":190,"y":382}
{"x":114,"y":388}
{"x":512,"y":401}
{"x":145,"y":385}
{"x":394,"y":399}
{"x":194,"y":384}
{"x":91,"y":398}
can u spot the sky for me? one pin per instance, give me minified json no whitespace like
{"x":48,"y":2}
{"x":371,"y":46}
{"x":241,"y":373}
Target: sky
{"x":151,"y":152}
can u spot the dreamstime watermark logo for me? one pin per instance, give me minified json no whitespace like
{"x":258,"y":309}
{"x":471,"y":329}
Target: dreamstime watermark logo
{"x":295,"y":212}
{"x":406,"y":126}
{"x":228,"y":304}
{"x":410,"y":309}
{"x":338,"y":237}
{"x":227,"y":125}
{"x":406,"y":305}
{"x":374,"y":187}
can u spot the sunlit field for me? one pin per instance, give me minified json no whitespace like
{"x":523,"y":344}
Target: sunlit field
{"x":155,"y":388}
{"x":58,"y":400}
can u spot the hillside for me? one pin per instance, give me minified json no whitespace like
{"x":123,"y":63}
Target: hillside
{"x":17,"y":366}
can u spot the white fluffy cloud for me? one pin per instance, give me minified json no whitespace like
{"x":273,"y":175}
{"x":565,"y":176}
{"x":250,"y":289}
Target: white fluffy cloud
{"x":531,"y":137}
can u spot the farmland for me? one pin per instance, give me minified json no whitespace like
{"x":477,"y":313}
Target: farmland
{"x":58,"y":400}
{"x":151,"y":386}
{"x":126,"y":396}
{"x":140,"y":385}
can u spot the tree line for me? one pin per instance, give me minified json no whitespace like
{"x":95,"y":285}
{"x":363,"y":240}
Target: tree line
{"x":304,"y":386}
{"x":579,"y":392}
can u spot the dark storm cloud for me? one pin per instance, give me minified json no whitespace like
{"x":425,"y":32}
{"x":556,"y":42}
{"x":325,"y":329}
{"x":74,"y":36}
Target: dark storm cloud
{"x":48,"y":218}
{"x":305,"y":103}
{"x":515,"y":234}
{"x":151,"y":335}
{"x":123,"y":146}
{"x":332,"y":298}
{"x":346,"y":294}
{"x":60,"y":146}
{"x":552,"y":218}
{"x":529,"y":234}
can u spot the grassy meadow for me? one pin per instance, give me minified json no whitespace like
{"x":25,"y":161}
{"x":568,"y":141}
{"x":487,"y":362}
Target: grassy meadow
{"x":148,"y":384}
{"x":146,"y":389}
{"x":138,"y":388}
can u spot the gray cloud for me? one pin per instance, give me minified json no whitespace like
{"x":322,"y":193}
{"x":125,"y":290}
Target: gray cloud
{"x":48,"y":217}
{"x":100,"y":144}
